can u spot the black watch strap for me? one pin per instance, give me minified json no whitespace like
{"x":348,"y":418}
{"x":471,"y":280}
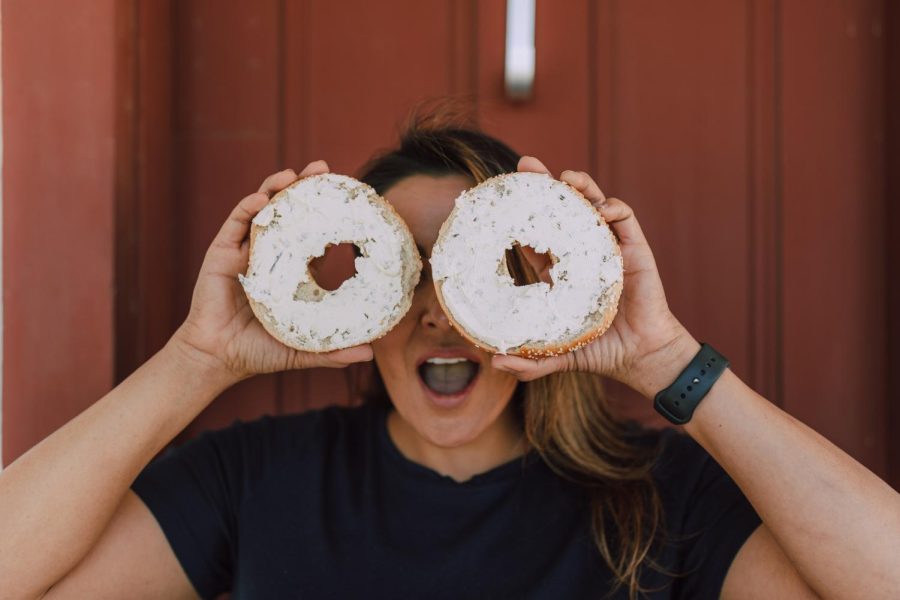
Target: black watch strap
{"x":678,"y":401}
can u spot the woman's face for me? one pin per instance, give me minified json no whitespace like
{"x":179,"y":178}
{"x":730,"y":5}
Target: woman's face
{"x":441,"y":385}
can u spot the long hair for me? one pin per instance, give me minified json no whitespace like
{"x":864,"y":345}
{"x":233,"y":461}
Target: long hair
{"x":565,"y":416}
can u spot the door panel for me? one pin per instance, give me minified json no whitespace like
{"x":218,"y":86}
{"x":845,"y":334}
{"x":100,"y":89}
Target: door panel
{"x":227,"y":136}
{"x":682,"y":109}
{"x":834,"y":247}
{"x":58,"y":215}
{"x":748,"y":137}
{"x":321,"y":81}
{"x":553,"y":124}
{"x":351,"y":79}
{"x":674,"y":141}
{"x":364,"y":70}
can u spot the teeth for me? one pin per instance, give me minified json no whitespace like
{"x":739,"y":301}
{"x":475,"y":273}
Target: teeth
{"x":445,"y":361}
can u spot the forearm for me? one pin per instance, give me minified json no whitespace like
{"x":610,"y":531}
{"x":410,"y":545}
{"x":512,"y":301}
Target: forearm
{"x":837,"y":521}
{"x":56,"y":499}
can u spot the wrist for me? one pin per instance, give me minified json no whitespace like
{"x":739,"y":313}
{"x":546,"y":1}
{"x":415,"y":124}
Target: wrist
{"x":658,"y":369}
{"x":202,"y":365}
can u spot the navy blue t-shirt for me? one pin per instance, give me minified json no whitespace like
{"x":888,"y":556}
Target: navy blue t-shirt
{"x":323,"y":505}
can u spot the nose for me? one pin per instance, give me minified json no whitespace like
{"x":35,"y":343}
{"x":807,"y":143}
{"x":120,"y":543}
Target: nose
{"x":433,"y":316}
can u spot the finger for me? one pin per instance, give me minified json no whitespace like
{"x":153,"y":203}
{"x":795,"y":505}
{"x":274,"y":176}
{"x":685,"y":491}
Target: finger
{"x":541,"y":263}
{"x":529,"y":164}
{"x":237,"y":226}
{"x":347,"y":356}
{"x":317,"y":167}
{"x":623,"y":222}
{"x":526,"y":369}
{"x":277,"y":181}
{"x":585,"y":184}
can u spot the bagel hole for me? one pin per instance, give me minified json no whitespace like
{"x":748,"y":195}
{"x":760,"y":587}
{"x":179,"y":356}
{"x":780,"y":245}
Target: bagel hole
{"x":527,"y":266}
{"x":335,"y":266}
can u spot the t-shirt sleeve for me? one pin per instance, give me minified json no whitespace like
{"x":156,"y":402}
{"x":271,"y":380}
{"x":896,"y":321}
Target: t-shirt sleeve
{"x":710,"y":517}
{"x":194,"y":492}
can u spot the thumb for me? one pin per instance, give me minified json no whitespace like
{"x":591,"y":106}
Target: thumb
{"x":526,"y":369}
{"x":347,"y":356}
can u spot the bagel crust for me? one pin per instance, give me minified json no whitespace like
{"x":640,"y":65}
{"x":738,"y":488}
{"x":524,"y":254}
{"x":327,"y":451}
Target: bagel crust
{"x":477,"y":292}
{"x":297,"y":225}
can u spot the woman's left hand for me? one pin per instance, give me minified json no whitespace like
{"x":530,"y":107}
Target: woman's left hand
{"x":645,"y":347}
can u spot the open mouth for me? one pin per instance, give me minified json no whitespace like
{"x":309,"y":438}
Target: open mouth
{"x":448,"y":376}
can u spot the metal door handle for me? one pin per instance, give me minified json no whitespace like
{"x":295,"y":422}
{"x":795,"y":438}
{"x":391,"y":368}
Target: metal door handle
{"x":520,"y":53}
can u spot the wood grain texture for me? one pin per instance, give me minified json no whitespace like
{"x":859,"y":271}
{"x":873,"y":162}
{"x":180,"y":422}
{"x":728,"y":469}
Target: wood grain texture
{"x":366,"y":68}
{"x":673,"y":101}
{"x":227,"y":137}
{"x":834,"y":290}
{"x":765,"y":345}
{"x":145,"y":257}
{"x":58,"y":214}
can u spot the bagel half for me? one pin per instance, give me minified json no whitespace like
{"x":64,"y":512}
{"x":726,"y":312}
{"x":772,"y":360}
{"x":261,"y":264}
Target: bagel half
{"x":474,"y":286}
{"x":297,"y":225}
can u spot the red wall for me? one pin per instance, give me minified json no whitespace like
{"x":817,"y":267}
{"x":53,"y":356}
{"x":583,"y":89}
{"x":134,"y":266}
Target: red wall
{"x":749,"y":137}
{"x":892,"y":230}
{"x":58,"y":204}
{"x":834,"y":292}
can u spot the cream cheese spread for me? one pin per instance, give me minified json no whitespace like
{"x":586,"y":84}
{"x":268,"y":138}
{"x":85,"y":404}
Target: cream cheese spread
{"x":548,"y":215}
{"x":296,"y":227}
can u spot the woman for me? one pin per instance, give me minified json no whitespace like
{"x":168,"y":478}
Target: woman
{"x":503,"y":477}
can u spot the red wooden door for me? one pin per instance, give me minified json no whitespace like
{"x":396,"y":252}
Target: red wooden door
{"x":283,"y":84}
{"x":739,"y":132}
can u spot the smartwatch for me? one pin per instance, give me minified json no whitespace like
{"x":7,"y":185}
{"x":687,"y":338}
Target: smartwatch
{"x":678,"y":401}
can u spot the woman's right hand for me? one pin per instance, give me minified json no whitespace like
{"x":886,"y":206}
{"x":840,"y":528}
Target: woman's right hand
{"x":221,"y":329}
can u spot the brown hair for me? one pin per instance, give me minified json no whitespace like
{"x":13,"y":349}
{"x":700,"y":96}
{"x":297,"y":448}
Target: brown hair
{"x":565,"y":416}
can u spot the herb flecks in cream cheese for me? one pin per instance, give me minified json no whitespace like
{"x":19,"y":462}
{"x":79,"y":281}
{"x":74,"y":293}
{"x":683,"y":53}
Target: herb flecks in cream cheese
{"x":532,"y":210}
{"x":298,"y":226}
